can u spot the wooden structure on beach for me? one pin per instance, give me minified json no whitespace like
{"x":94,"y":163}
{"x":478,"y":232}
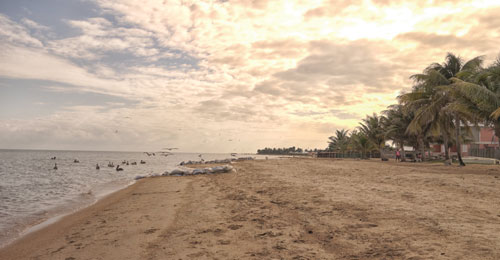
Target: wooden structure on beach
{"x":327,"y":155}
{"x":346,"y":154}
{"x":352,"y":154}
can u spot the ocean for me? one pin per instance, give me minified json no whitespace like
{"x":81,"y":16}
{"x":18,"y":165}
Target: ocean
{"x":31,"y":191}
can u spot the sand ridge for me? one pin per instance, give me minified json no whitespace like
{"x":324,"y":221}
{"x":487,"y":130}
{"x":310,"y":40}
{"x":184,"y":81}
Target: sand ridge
{"x":288,"y":209}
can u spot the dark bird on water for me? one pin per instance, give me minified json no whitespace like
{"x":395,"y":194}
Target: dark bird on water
{"x":118,"y":168}
{"x":97,"y":167}
{"x":55,"y":166}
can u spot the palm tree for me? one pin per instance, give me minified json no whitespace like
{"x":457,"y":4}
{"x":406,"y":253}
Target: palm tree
{"x":422,"y":102}
{"x":494,"y":86}
{"x":395,"y":125}
{"x":340,"y":141}
{"x":481,"y":95}
{"x":437,"y":101}
{"x":361,"y":143}
{"x":454,"y":67}
{"x":372,"y":127}
{"x":431,"y":114}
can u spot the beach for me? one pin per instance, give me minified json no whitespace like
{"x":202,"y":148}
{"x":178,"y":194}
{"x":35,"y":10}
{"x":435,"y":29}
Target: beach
{"x":294,"y":208}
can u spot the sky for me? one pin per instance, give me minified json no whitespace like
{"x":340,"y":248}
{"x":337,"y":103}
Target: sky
{"x":218,"y":76}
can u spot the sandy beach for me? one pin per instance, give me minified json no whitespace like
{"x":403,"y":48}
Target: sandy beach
{"x":287,"y":209}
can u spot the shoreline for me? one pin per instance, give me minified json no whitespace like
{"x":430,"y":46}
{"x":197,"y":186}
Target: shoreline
{"x":33,"y":211}
{"x":290,"y":208}
{"x":59,"y":212}
{"x":58,"y":227}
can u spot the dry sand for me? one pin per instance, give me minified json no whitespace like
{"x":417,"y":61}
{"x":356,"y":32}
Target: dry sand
{"x":288,"y":209}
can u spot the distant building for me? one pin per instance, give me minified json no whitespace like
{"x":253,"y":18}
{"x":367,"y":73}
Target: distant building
{"x":482,"y":138}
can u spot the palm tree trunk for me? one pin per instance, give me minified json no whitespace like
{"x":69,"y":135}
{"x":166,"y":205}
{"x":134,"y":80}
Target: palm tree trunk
{"x":403,"y":155}
{"x":459,"y":145}
{"x":446,"y":148}
{"x":422,"y":148}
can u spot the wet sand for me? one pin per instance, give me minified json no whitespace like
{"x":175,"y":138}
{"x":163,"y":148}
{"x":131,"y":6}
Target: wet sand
{"x":287,"y":209}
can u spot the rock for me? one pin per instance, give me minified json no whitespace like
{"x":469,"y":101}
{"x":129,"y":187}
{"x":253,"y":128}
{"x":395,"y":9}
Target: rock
{"x":228,"y":168}
{"x":199,"y":171}
{"x":176,"y":172}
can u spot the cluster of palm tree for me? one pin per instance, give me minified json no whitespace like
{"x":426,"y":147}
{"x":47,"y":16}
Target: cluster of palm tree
{"x":370,"y":136}
{"x":290,"y":150}
{"x":445,"y":101}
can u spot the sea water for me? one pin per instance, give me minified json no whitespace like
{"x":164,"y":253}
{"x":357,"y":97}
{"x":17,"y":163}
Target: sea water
{"x":32,"y":191}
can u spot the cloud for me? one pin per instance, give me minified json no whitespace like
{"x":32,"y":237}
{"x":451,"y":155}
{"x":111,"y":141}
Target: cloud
{"x":34,"y":25}
{"x":273,"y":71}
{"x":331,"y":8}
{"x":43,"y":66}
{"x":333,"y":71}
{"x":99,"y":36}
{"x":480,"y":37}
{"x":341,"y":114}
{"x":12,"y":32}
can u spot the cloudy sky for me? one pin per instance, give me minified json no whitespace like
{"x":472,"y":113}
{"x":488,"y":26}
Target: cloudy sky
{"x":217,"y":76}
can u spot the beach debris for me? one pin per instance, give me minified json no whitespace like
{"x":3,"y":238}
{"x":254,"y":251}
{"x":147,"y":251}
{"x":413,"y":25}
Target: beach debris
{"x":185,"y":171}
{"x":216,"y":161}
{"x":178,"y":172}
{"x":209,"y":170}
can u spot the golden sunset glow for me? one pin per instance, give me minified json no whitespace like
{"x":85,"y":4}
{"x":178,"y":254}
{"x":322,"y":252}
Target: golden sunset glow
{"x":249,"y":69}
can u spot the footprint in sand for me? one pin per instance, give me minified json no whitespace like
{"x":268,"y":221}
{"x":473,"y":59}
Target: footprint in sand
{"x":235,"y":227}
{"x":150,"y":231}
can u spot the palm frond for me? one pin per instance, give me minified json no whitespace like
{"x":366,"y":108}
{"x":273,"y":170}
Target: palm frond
{"x":496,"y":114}
{"x":481,"y":96}
{"x":473,"y":64}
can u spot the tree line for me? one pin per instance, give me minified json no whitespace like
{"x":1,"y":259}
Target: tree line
{"x":445,"y":100}
{"x":283,"y":151}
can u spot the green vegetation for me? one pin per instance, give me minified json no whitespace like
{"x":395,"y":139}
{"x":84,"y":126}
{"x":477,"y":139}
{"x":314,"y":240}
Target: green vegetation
{"x":281,"y":151}
{"x":444,"y":101}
